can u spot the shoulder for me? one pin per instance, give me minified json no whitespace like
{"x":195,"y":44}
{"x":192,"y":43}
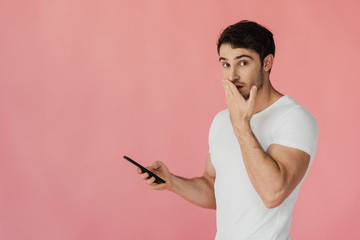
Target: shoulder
{"x":221,"y":116}
{"x":284,"y":111}
{"x":292,"y":111}
{"x":295,"y":127}
{"x":219,"y":120}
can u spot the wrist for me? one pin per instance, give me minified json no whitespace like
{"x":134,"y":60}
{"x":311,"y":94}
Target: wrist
{"x":172,"y":183}
{"x":241,"y":128}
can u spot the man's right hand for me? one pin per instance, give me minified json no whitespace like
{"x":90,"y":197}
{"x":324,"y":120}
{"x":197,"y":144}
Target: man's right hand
{"x":198,"y":190}
{"x":162,"y":171}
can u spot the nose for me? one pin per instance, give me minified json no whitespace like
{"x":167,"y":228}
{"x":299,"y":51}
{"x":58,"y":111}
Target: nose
{"x":233,"y":75}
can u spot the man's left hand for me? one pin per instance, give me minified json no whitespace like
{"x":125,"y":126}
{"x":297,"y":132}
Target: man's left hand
{"x":240,"y":109}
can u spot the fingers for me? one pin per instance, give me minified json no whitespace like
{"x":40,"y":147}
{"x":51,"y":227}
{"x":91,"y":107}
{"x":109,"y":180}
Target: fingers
{"x":150,"y":181}
{"x":228,"y":92}
{"x":231,"y":90}
{"x":227,"y":89}
{"x":144,"y":175}
{"x":253,"y":93}
{"x":231,"y":86}
{"x":157,"y":186}
{"x":157,"y":165}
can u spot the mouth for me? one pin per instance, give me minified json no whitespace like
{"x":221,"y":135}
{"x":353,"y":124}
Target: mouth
{"x":239,"y":87}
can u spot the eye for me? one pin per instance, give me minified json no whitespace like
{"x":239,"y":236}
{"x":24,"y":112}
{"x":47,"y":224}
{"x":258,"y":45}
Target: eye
{"x":243,"y":63}
{"x":226,"y":65}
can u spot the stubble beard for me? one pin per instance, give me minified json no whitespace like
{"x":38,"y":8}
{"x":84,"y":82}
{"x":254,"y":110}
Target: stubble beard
{"x":259,"y":82}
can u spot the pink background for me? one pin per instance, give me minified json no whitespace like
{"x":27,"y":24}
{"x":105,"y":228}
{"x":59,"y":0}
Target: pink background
{"x":83,"y":83}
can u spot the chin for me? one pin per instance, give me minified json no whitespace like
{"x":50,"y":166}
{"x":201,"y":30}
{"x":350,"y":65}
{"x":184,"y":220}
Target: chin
{"x":245,"y":96}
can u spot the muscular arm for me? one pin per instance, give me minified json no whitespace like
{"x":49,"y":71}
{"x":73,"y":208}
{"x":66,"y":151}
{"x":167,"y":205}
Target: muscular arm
{"x":199,"y":190}
{"x":274,"y":173}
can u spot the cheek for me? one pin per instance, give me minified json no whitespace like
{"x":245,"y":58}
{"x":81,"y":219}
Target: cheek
{"x":251,"y":73}
{"x":245,"y":74}
{"x":225,"y":74}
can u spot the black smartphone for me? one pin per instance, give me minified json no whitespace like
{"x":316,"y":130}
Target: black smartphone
{"x":151,"y":174}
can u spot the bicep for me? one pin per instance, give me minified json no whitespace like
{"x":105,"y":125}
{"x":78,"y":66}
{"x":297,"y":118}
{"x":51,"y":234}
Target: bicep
{"x":293,"y":164}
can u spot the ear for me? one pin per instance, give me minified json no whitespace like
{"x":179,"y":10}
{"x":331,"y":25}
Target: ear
{"x":268,"y":62}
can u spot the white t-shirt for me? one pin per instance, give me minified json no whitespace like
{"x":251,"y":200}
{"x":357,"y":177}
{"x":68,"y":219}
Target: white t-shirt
{"x":240,"y":212}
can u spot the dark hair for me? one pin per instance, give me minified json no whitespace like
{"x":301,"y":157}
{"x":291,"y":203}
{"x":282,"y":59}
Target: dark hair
{"x":247,"y":34}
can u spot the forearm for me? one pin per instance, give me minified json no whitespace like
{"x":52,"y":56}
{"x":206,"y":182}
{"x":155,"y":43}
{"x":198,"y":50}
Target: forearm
{"x":264,"y":172}
{"x":199,"y":190}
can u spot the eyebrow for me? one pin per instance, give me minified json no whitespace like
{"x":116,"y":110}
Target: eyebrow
{"x":237,"y":57}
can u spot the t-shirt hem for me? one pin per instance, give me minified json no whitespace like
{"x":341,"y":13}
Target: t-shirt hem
{"x":294,"y":145}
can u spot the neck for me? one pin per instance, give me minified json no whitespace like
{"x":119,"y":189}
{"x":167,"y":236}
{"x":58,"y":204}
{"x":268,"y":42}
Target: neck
{"x":266,"y":96}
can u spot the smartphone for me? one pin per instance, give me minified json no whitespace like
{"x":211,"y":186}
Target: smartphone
{"x":151,"y":174}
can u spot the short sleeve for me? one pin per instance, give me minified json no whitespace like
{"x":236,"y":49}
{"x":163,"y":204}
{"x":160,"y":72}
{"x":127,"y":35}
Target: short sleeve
{"x":218,"y":120}
{"x":297,"y":128}
{"x":211,"y":131}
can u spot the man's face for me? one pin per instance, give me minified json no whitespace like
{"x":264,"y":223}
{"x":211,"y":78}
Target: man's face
{"x":242,"y":67}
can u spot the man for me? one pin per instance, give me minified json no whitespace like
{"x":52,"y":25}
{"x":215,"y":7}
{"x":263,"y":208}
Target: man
{"x":261,"y":146}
